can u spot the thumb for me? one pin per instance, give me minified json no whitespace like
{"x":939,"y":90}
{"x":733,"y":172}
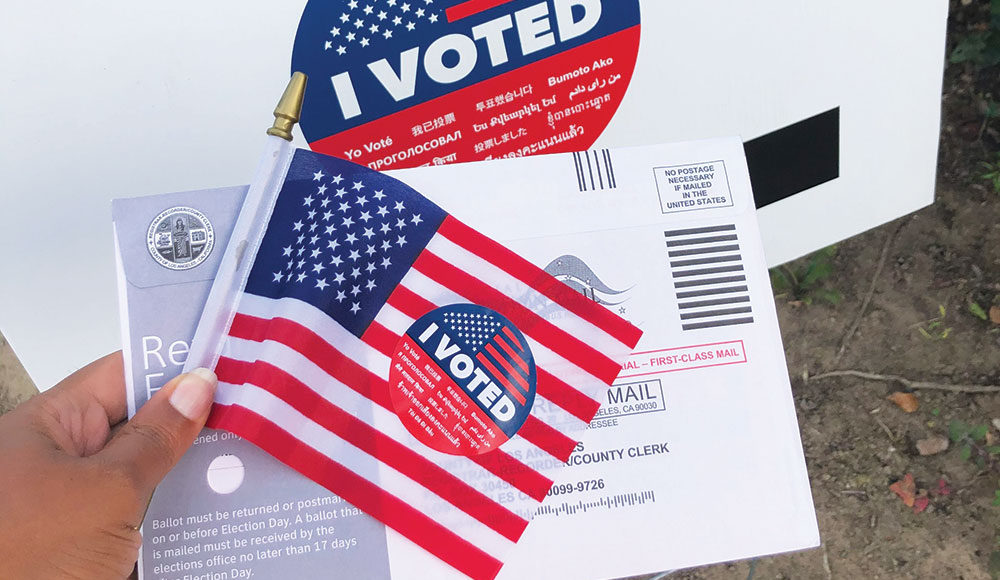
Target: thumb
{"x":150,"y":444}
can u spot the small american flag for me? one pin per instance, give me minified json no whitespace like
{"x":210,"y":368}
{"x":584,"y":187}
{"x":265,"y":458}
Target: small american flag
{"x":350,"y":261}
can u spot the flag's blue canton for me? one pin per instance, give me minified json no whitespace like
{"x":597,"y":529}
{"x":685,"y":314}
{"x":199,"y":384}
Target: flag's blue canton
{"x":341,"y":237}
{"x":474,"y":329}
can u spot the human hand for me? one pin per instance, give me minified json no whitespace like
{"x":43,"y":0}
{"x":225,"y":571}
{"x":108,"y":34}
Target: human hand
{"x":75,"y":480}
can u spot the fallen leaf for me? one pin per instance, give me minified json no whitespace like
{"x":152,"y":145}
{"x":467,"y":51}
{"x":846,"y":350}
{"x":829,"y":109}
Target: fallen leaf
{"x":906,"y":489}
{"x":943,"y":487}
{"x":920,"y":504}
{"x":995,"y":314}
{"x":932,"y":445}
{"x":906,"y":401}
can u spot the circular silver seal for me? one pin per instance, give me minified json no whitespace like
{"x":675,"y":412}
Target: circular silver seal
{"x":180,"y":238}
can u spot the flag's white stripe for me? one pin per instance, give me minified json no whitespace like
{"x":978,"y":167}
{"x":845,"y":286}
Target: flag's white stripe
{"x":524,"y":294}
{"x":370,"y":468}
{"x":544,"y":410}
{"x":306,"y":371}
{"x":548,"y":359}
{"x":320,"y":323}
{"x":393,"y":319}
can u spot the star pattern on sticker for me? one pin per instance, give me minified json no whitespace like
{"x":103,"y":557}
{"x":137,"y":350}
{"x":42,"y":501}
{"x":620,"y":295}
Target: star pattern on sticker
{"x":475,"y":329}
{"x":375,"y":17}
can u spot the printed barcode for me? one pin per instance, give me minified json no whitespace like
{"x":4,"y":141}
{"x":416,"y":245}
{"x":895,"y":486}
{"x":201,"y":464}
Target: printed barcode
{"x":595,"y":170}
{"x":607,"y":502}
{"x":709,"y":279}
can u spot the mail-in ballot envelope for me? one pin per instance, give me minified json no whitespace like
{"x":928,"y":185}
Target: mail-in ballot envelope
{"x":665,"y":236}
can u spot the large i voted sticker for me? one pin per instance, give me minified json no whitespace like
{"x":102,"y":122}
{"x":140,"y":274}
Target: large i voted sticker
{"x":462,"y":379}
{"x":404,"y":83}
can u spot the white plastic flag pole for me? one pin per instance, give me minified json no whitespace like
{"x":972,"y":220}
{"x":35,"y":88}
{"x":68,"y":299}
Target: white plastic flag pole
{"x":247,"y":231}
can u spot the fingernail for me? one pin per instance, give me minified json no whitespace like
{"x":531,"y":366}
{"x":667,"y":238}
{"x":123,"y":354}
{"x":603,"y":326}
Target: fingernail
{"x":193,"y":395}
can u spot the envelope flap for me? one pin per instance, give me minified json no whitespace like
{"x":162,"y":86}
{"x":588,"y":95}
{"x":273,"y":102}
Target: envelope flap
{"x":175,"y":238}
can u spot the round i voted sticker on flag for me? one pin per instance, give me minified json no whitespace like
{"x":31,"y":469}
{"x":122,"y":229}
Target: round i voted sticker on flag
{"x":404,"y":83}
{"x":462,"y":379}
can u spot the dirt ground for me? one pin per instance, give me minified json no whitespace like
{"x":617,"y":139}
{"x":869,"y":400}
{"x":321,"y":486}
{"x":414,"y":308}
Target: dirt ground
{"x":857,"y":443}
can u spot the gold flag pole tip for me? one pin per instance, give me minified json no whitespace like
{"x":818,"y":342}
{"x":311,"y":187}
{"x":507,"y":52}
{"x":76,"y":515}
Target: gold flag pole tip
{"x":289,"y":108}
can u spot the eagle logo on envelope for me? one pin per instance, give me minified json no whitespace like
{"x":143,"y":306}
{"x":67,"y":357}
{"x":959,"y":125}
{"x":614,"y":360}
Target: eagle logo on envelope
{"x":416,"y":82}
{"x":394,"y":355}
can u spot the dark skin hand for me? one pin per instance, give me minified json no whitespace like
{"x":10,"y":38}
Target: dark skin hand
{"x":75,"y":478}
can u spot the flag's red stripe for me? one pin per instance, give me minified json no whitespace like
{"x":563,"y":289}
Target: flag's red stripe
{"x":307,"y":343}
{"x":313,"y":347}
{"x":513,"y":338}
{"x":361,"y":493}
{"x":507,"y":366}
{"x":530,"y":482}
{"x":409,"y":303}
{"x":248,"y":327}
{"x":503,"y":380}
{"x":566,"y":397}
{"x":510,"y":352}
{"x":540,"y":280}
{"x":471,"y":8}
{"x":560,"y":341}
{"x":380,"y":338}
{"x":547,"y":437}
{"x":373,"y":442}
